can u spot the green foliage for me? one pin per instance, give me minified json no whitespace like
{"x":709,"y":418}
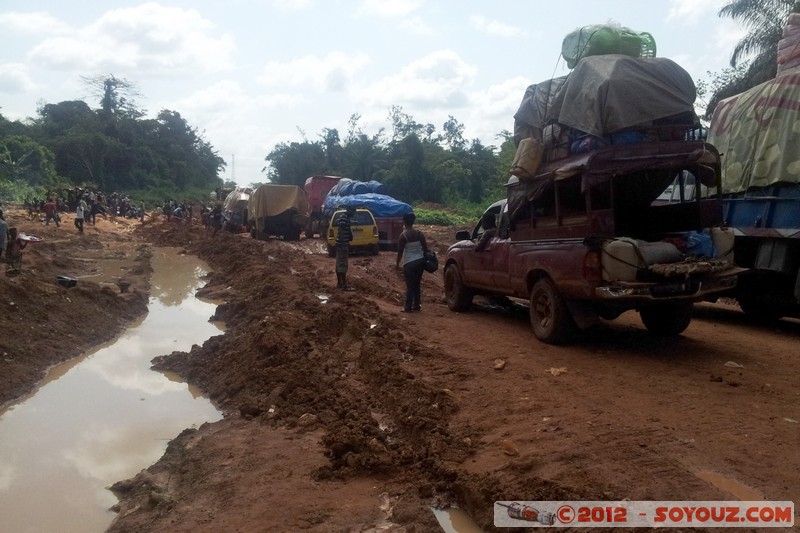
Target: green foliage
{"x":459,"y":214}
{"x":754,"y":59}
{"x":112,"y":148}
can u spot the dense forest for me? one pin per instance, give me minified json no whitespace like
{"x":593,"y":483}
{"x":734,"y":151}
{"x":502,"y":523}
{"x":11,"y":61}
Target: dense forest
{"x":111,"y":148}
{"x":413,"y":161}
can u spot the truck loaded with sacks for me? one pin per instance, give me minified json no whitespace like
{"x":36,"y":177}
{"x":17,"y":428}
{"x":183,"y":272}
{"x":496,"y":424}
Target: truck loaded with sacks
{"x":613,"y":202}
{"x":758,"y":134}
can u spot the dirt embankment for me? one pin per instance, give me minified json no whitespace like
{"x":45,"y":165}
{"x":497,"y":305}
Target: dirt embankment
{"x":342,"y":414}
{"x":43,"y":323}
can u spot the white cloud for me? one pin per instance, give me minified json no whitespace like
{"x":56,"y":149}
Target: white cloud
{"x":33,"y":23}
{"x":416,"y":25}
{"x":494,"y":27}
{"x":690,"y":11}
{"x":150,"y":38}
{"x":390,"y":8}
{"x":292,"y":5}
{"x":332,"y":73}
{"x":15,"y":78}
{"x":438,"y":79}
{"x":492,"y":110}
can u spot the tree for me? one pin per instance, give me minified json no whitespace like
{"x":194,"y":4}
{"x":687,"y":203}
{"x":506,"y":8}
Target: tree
{"x":404,"y":125}
{"x":363,"y":157}
{"x":292,"y":163}
{"x":333,"y":149}
{"x":764,"y":20}
{"x":117,"y":95}
{"x":453,"y":136}
{"x":25,"y":161}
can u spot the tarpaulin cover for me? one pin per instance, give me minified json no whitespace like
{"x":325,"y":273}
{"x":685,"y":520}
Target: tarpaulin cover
{"x":531,"y":116}
{"x":347,"y":187}
{"x":237,"y":199}
{"x":381,"y":205}
{"x":608,"y":93}
{"x":271,"y":200}
{"x":758,"y":133}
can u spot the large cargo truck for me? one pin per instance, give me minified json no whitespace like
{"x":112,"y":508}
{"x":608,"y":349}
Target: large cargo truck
{"x":758,"y":134}
{"x":277,"y":211}
{"x":317,"y":188}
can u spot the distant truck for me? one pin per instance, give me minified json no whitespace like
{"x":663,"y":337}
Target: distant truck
{"x":316,"y":188}
{"x":234,"y":210}
{"x":388,"y":211}
{"x":277,"y":211}
{"x":758,"y":135}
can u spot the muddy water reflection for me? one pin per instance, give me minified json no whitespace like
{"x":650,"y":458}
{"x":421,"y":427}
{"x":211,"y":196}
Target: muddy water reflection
{"x":104,"y":417}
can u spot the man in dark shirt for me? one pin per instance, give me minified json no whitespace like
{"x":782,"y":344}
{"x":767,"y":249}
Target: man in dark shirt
{"x":343,"y":238}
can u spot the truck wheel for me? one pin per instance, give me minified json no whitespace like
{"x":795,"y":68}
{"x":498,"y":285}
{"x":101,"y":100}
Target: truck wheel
{"x":550,"y":317}
{"x":666,"y":320}
{"x":374,"y":249}
{"x":294,"y":234}
{"x":458,"y":296}
{"x":331,"y":251}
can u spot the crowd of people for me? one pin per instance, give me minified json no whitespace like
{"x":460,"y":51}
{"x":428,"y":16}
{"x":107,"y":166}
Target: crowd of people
{"x":86,"y":204}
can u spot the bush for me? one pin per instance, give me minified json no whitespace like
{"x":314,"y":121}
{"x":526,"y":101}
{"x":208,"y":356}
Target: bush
{"x":458,"y":215}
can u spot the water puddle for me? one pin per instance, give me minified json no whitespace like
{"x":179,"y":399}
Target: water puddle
{"x":740,"y":490}
{"x":105,"y":416}
{"x":455,"y":520}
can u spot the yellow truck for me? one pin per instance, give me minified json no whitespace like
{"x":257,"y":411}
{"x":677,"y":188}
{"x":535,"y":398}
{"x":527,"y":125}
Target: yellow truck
{"x":278,"y":211}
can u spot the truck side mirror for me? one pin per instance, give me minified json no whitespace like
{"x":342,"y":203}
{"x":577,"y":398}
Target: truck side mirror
{"x":463,"y":235}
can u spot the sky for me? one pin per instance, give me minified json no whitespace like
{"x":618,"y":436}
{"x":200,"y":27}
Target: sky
{"x":250,"y":74}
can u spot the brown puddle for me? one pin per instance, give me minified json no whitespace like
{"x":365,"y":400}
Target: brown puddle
{"x":106,"y":415}
{"x":739,"y":490}
{"x":455,"y":520}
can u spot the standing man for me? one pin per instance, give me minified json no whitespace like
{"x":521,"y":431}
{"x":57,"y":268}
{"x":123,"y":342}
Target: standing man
{"x":343,"y":238}
{"x":51,"y":213}
{"x":79,"y":214}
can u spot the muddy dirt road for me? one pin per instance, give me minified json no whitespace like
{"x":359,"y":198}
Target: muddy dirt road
{"x":343,"y":414}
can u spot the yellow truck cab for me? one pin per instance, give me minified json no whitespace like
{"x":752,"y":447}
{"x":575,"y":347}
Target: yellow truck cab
{"x":364,"y":228}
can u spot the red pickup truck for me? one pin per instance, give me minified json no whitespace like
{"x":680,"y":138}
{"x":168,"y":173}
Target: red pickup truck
{"x":593,"y":236}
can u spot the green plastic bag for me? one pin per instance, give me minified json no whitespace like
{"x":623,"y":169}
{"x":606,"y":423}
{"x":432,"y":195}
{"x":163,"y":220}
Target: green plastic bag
{"x":601,"y":39}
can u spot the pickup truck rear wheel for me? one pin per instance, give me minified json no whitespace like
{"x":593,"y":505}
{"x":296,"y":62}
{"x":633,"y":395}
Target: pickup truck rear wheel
{"x":550,"y":318}
{"x":666,"y":320}
{"x":458,"y":296}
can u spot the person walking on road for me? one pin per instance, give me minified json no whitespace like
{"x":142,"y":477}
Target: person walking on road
{"x":51,"y":213}
{"x":343,"y":238}
{"x":411,"y":248}
{"x":80,"y":211}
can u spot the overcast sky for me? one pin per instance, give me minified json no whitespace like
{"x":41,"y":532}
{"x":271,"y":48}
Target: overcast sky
{"x":249,"y":74}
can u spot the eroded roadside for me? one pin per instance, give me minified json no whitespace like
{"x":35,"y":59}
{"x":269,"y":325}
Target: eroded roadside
{"x":43,"y":323}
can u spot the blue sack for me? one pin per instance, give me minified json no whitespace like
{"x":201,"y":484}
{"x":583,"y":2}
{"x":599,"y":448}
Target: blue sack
{"x":699,"y":244}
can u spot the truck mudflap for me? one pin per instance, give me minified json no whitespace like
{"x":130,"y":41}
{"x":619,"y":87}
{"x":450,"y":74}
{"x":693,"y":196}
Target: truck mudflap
{"x":692,"y":287}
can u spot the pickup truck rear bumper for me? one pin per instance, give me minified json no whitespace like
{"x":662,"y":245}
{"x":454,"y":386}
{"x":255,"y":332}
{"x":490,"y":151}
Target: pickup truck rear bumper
{"x":685,"y":289}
